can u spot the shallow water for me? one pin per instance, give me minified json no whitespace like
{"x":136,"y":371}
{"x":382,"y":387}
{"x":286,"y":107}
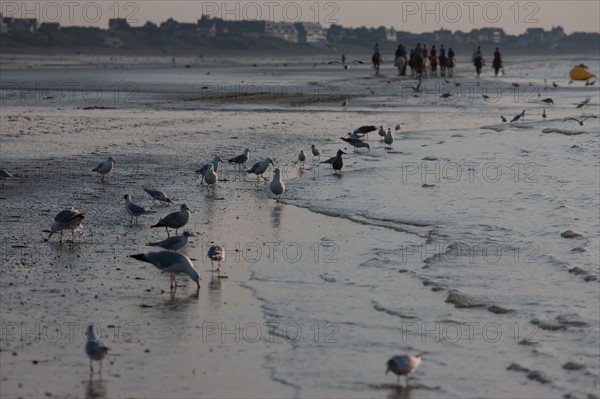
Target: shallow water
{"x":348,"y":271}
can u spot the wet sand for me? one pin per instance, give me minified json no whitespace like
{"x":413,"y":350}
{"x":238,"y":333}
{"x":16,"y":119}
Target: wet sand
{"x":323,"y":287}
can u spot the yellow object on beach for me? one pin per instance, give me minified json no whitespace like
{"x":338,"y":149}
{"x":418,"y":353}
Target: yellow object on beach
{"x":580,"y":72}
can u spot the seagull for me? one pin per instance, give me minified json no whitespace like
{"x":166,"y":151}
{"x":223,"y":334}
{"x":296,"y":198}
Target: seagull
{"x":315,"y":151}
{"x":503,"y":119}
{"x":554,"y":84}
{"x":174,"y":220}
{"x":548,"y":101}
{"x":544,"y":113}
{"x":172,"y":263}
{"x":446,"y":95}
{"x":134,"y":210}
{"x":157,"y":195}
{"x":215,"y":254}
{"x":302,"y":156}
{"x":389,"y":139}
{"x":356,"y":142}
{"x":345,"y":103}
{"x":336,"y":162}
{"x":69,"y":219}
{"x":454,"y":83}
{"x":261,"y":167}
{"x":365,"y":129}
{"x":5,"y":175}
{"x":397,"y":127}
{"x":172,"y":243}
{"x":584,"y":102}
{"x":346,"y":66}
{"x":582,"y":119}
{"x":94,"y":348}
{"x":211,"y":178}
{"x":381,"y":133}
{"x":277,"y":187}
{"x":241,"y":159}
{"x":104,"y":168}
{"x":516,"y":84}
{"x":403,"y":365}
{"x":215,"y":163}
{"x":517,"y":117}
{"x":485,"y":96}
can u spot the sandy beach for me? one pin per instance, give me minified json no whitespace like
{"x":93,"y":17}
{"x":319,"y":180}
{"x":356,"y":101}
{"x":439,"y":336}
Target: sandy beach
{"x":449,"y":244}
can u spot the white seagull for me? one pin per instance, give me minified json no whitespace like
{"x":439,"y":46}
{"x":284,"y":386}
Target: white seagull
{"x":134,"y":209}
{"x":95,"y":349}
{"x":346,"y":66}
{"x":302,"y":156}
{"x":403,"y":365}
{"x":69,"y":219}
{"x":157,"y":195}
{"x":211,"y":178}
{"x":104,"y":168}
{"x":315,"y":151}
{"x":172,"y":263}
{"x":215,"y":254}
{"x":215,"y":163}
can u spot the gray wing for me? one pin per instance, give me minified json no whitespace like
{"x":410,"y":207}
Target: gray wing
{"x":135,"y":208}
{"x":171,"y":218}
{"x":239,"y":159}
{"x":66,"y":216}
{"x":163,"y":260}
{"x":202,"y":171}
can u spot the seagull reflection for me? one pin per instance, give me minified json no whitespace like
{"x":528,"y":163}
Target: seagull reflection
{"x":400,"y":392}
{"x":95,"y":389}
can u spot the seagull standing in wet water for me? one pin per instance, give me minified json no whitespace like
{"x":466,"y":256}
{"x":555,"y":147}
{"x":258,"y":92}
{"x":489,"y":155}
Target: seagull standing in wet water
{"x":215,"y":254}
{"x":95,"y":349}
{"x":403,"y":365}
{"x":261,"y":167}
{"x":336,"y":162}
{"x":277,"y":186}
{"x":172,"y":243}
{"x":172,"y":263}
{"x":216,"y":160}
{"x":174,"y":220}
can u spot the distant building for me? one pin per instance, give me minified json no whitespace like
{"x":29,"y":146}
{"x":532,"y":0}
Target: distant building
{"x":208,"y":27}
{"x":118,"y":24}
{"x":283,"y":30}
{"x":112,"y":41}
{"x":20,"y":25}
{"x":390,"y":35}
{"x":311,"y":33}
{"x":177,"y":29}
{"x":48,"y":27}
{"x":250,"y":29}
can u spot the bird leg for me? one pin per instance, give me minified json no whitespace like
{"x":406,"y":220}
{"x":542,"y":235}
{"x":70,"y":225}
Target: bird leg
{"x":168,"y":235}
{"x":131,"y":221}
{"x":91,"y":367}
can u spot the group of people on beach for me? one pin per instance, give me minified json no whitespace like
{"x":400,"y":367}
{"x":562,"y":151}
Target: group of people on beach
{"x":424,"y":62}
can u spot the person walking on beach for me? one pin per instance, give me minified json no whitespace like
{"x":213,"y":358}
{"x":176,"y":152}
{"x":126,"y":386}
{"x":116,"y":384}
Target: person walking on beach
{"x":433,"y":59}
{"x":442,"y":60}
{"x":478,"y":61}
{"x":450,"y":62}
{"x":497,"y":63}
{"x":418,"y":60}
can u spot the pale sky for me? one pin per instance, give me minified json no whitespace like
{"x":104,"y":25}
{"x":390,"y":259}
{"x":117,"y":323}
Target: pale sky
{"x":414,"y":16}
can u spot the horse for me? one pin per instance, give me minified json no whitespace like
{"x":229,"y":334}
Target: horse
{"x":376,"y":59}
{"x":450,"y":64}
{"x":443,"y":60}
{"x":400,"y":62}
{"x":497,"y":65}
{"x":425,"y":65}
{"x":434,"y":64}
{"x":479,"y":62}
